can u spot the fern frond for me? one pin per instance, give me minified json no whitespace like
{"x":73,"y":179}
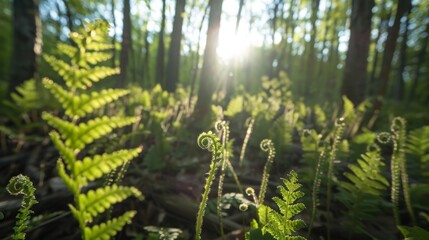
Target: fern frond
{"x":85,"y":103}
{"x":97,"y":73}
{"x":85,"y":133}
{"x":99,"y":46}
{"x":70,"y":183}
{"x":364,"y":191}
{"x":266,"y":146}
{"x":65,"y":70}
{"x":96,"y":202}
{"x":68,"y":50}
{"x":92,"y":168}
{"x":67,"y":154}
{"x":110,"y":228}
{"x":96,"y":57}
{"x":280,"y":225}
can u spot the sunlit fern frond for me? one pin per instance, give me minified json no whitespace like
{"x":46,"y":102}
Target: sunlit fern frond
{"x":84,"y":103}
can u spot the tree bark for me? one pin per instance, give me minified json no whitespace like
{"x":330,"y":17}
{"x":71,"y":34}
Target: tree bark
{"x":389,"y":50}
{"x":355,"y":71}
{"x":420,"y":62}
{"x":126,"y":45}
{"x":112,"y":2}
{"x":209,"y":70}
{"x":27,"y":42}
{"x":160,"y":61}
{"x":174,"y":50}
{"x":400,"y":85}
{"x":311,"y":60}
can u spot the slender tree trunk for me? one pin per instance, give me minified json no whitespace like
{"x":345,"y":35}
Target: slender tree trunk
{"x":126,"y":45}
{"x":69,"y":15}
{"x":27,"y":42}
{"x":384,"y":22}
{"x":196,"y":62}
{"x":355,"y":71}
{"x":420,"y":62}
{"x":273,"y":54}
{"x":311,"y":61}
{"x":400,"y":85}
{"x":389,"y":50}
{"x":174,"y":50}
{"x":208,"y":75}
{"x":160,"y":61}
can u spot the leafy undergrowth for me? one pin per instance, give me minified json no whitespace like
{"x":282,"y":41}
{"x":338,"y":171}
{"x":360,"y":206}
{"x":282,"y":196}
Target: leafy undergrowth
{"x":344,"y":182}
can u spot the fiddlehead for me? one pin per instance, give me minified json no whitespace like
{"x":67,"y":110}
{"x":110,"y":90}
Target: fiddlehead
{"x":212,"y":143}
{"x":22,"y":185}
{"x":266,"y":146}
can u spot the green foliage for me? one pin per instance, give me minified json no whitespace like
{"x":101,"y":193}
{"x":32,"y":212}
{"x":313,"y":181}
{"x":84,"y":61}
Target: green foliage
{"x":364,"y":192}
{"x":280,"y":225}
{"x":22,"y":185}
{"x":418,"y":147}
{"x":414,"y":233}
{"x":75,"y":134}
{"x":212,"y":143}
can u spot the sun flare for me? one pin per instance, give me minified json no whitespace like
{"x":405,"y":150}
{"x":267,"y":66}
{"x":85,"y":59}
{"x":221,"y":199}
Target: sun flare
{"x":232,"y":46}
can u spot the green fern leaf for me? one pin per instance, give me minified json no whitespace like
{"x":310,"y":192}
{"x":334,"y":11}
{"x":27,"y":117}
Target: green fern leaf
{"x":70,"y":183}
{"x":68,"y":50}
{"x":83,"y":104}
{"x":66,"y":153}
{"x":96,"y":202}
{"x":99,"y":46}
{"x":96,"y":57}
{"x":95,"y":167}
{"x":281,"y":225}
{"x":85,"y":133}
{"x":110,"y":228}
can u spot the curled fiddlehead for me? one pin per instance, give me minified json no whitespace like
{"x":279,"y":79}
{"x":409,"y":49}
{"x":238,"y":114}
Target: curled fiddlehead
{"x":266,"y":146}
{"x":212,"y":143}
{"x":21,"y":185}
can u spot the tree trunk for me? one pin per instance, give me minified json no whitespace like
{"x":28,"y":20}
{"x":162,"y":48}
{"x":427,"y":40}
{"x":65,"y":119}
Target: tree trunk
{"x":174,"y":51}
{"x":389,"y":50}
{"x":311,"y":61}
{"x":27,"y":42}
{"x":382,"y":28}
{"x":160,"y":62}
{"x":126,"y":45}
{"x":355,"y":70}
{"x":273,"y":55}
{"x":400,"y":85}
{"x":420,"y":62}
{"x":208,"y":79}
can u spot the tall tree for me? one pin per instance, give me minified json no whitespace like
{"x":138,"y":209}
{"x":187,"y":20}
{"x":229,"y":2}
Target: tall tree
{"x":27,"y":42}
{"x":400,"y":84}
{"x":355,"y":71}
{"x":389,"y":49}
{"x":112,"y":5}
{"x":126,"y":44}
{"x":311,"y":58}
{"x":207,"y":81}
{"x":174,"y":50}
{"x":160,"y":61}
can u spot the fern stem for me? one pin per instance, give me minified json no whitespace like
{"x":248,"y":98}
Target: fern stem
{"x":22,"y":185}
{"x":330,"y":175}
{"x":398,"y":129}
{"x":222,"y":127}
{"x":266,"y":145}
{"x":210,"y":142}
{"x":246,"y":141}
{"x":315,"y":189}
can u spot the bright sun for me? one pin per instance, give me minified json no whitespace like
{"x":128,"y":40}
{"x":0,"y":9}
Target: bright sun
{"x":232,"y":45}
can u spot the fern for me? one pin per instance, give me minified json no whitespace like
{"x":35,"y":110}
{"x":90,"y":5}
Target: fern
{"x":72,"y":136}
{"x":418,"y":146}
{"x":266,"y":146}
{"x":280,"y":225}
{"x":22,"y":185}
{"x":364,"y":190}
{"x":212,"y":143}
